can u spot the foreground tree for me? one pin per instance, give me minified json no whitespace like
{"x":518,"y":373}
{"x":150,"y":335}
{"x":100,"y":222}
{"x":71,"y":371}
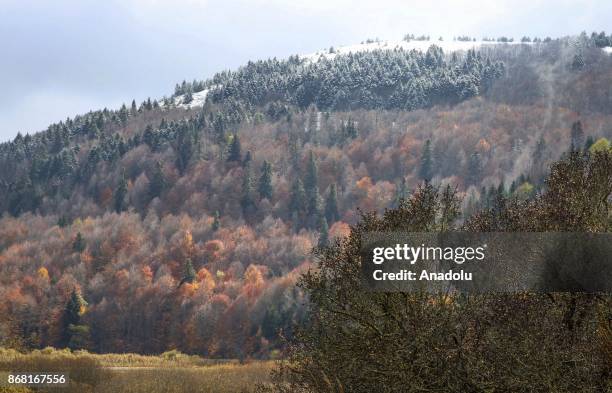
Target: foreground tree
{"x":361,"y":341}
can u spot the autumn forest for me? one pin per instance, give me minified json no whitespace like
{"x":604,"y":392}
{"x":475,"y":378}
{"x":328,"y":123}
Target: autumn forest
{"x":184,"y":222}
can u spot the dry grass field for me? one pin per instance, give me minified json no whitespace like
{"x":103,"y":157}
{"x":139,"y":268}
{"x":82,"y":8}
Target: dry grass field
{"x":113,"y":373}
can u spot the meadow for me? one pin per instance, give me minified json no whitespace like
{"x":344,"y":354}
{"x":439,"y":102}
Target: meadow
{"x":169,"y":372}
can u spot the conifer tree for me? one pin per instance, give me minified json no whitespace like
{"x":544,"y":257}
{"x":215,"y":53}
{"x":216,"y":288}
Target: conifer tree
{"x":351,"y":129}
{"x":74,"y":335}
{"x":120,"y":193}
{"x":297,"y":201}
{"x":538,"y":153}
{"x":323,"y":233}
{"x":62,"y":221}
{"x":577,"y":136}
{"x":185,"y":148}
{"x":313,"y":207}
{"x":577,"y":62}
{"x":158,"y":181}
{"x":247,"y":201}
{"x":189,"y":273}
{"x":311,"y":178}
{"x":216,"y":221}
{"x":474,"y":169}
{"x":247,"y":159}
{"x":123,"y":114}
{"x":234,"y":153}
{"x":75,"y":307}
{"x":589,"y":142}
{"x":94,"y":131}
{"x":401,"y":191}
{"x":425,"y":171}
{"x":265,"y":181}
{"x":188,"y":98}
{"x":331,"y":205}
{"x":79,"y":243}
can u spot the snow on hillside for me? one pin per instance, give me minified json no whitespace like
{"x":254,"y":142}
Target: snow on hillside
{"x":607,"y":49}
{"x":198,"y":99}
{"x":447,"y":46}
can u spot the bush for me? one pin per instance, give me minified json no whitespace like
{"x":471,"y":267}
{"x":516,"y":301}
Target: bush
{"x":360,"y":341}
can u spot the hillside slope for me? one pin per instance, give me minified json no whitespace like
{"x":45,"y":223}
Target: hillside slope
{"x":184,"y":222}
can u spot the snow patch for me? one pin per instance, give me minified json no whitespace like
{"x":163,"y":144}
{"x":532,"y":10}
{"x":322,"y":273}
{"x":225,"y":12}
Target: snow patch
{"x":198,"y":99}
{"x":422,"y":46}
{"x":607,"y":49}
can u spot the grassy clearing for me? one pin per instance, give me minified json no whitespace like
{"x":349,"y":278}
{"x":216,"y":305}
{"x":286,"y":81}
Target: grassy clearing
{"x":169,"y":372}
{"x":228,"y":378}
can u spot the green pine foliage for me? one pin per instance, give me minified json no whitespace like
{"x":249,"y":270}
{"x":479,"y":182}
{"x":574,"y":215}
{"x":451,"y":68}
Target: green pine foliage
{"x":120,"y":193}
{"x":332,"y":213}
{"x":265,"y":181}
{"x":79,"y":243}
{"x":426,"y":169}
{"x":158,"y":181}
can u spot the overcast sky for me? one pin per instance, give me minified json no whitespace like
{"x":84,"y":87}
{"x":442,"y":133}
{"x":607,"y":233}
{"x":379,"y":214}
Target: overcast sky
{"x":64,"y":57}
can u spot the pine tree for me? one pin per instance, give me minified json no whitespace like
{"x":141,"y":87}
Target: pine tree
{"x":577,"y":136}
{"x":94,"y":131}
{"x":578,"y":62}
{"x":189,"y":273}
{"x":74,"y":308}
{"x":474,"y":169}
{"x":216,"y":221}
{"x":247,"y":201}
{"x":79,"y":243}
{"x":62,"y":221}
{"x":248,"y":157}
{"x":538,"y":153}
{"x":351,"y":129}
{"x":120,"y":193}
{"x":158,"y":181}
{"x":265,"y":181}
{"x":425,"y":171}
{"x":589,"y":142}
{"x":185,"y":148}
{"x":331,"y":205}
{"x":402,"y":192}
{"x":74,"y":335}
{"x":123,"y":114}
{"x":234,"y":153}
{"x":323,"y":233}
{"x":313,"y":207}
{"x":313,"y":199}
{"x":297,"y":201}
{"x":311,"y":178}
{"x":188,"y":98}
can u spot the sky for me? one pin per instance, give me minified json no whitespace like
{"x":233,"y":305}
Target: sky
{"x":65,"y":57}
